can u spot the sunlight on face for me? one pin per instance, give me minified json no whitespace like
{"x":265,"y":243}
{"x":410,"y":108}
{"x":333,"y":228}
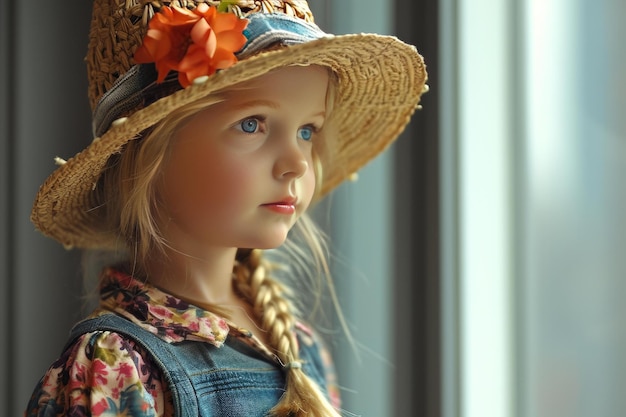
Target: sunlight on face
{"x":241,"y":171}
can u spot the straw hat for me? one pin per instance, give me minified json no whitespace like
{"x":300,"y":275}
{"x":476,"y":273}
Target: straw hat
{"x":380,"y":80}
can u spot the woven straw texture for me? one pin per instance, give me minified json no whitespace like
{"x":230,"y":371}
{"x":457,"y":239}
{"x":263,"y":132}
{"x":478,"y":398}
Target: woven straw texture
{"x":118,"y":27}
{"x":380,"y":81}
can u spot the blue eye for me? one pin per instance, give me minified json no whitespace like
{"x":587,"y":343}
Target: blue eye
{"x":249,"y":125}
{"x":306,"y":133}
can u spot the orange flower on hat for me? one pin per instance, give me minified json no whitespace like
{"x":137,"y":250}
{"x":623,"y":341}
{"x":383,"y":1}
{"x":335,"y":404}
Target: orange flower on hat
{"x":193,"y":42}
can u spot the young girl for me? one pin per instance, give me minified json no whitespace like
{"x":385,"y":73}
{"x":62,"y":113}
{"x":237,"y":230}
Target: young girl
{"x":216,"y":124}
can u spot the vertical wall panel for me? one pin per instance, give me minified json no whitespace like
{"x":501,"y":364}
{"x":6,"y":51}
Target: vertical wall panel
{"x":417,"y":281}
{"x":449,"y":209}
{"x":574,"y":336}
{"x":6,"y":229}
{"x":486,"y":215}
{"x":51,"y":117}
{"x":362,"y":233}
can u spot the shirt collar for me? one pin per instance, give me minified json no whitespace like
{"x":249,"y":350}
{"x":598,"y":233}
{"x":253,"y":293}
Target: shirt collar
{"x":170,"y":318}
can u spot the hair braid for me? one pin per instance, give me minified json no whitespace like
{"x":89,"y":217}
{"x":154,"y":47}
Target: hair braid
{"x":302,"y":397}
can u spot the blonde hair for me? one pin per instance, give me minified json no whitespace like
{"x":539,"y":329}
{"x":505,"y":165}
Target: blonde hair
{"x":130,"y":206}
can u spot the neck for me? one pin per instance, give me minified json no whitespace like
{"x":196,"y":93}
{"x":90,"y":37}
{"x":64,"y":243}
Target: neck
{"x":205,"y":280}
{"x":207,"y":283}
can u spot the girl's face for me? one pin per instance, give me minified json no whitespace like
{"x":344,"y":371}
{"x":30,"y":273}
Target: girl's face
{"x":241,"y":172}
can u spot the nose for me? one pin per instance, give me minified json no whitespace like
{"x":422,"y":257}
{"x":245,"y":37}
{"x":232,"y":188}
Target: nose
{"x":291,"y":161}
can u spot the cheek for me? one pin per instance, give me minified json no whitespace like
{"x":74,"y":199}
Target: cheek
{"x":224,"y":190}
{"x":185,"y":177}
{"x":199,"y":185}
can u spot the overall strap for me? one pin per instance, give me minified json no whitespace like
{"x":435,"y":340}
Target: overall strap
{"x":183,"y":393}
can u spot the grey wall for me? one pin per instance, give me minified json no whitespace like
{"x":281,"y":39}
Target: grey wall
{"x":44,"y":112}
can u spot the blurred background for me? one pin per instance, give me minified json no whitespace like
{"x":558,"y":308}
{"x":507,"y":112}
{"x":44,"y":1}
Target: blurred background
{"x":479,"y":262}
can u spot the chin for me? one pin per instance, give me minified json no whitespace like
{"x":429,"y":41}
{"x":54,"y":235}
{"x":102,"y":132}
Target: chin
{"x":270,"y":244}
{"x":271,"y":240}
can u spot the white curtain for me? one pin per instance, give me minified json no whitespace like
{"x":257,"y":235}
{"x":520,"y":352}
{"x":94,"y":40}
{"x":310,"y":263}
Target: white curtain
{"x":535,"y":200}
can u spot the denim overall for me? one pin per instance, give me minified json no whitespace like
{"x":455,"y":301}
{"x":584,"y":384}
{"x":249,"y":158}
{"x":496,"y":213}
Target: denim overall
{"x":234,"y":380}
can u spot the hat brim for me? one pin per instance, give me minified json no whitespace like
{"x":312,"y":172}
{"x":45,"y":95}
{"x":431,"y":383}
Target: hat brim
{"x":380,"y":81}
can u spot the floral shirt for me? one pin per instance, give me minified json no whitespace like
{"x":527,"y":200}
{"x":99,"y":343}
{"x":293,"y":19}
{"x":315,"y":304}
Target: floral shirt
{"x":103,"y":373}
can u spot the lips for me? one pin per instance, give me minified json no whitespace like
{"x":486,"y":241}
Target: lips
{"x":283,"y":206}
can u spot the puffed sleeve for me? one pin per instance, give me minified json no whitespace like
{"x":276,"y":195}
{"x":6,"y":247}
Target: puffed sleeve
{"x":100,"y":374}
